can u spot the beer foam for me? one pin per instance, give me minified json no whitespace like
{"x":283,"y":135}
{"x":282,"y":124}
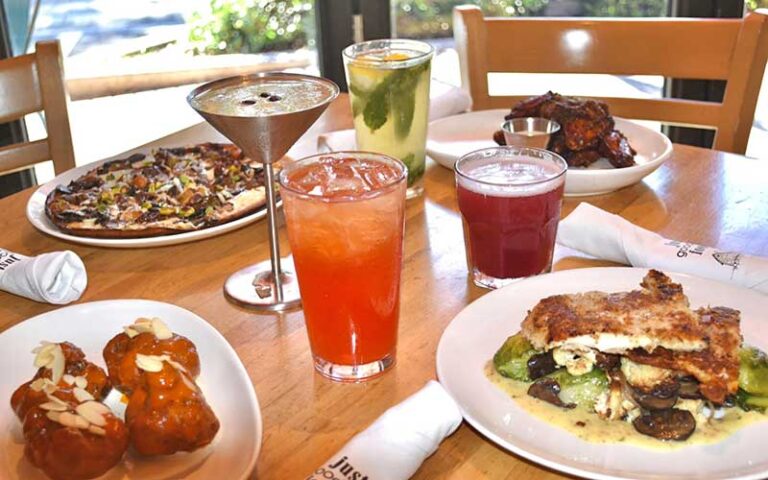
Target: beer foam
{"x":515,"y":177}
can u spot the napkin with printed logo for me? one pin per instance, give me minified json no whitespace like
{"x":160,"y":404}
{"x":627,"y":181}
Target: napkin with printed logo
{"x":444,"y":100}
{"x":610,"y":237}
{"x":56,"y":277}
{"x":397,"y":443}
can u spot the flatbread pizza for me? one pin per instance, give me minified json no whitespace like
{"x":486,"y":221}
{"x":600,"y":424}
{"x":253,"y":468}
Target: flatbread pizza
{"x":170,"y":191}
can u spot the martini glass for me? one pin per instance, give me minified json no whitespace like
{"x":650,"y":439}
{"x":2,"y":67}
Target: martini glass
{"x":264,"y":114}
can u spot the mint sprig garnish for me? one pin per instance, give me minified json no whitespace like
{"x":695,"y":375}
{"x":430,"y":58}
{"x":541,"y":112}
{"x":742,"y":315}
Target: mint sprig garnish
{"x":394,"y":94}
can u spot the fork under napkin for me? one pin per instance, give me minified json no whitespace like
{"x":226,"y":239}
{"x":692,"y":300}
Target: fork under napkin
{"x":610,"y":237}
{"x":56,"y":277}
{"x":444,"y":100}
{"x":397,"y":443}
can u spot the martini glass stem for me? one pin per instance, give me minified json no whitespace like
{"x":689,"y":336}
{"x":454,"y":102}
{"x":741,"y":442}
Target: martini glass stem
{"x":274,"y":243}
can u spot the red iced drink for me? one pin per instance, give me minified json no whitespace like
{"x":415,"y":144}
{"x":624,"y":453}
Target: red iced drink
{"x":510,"y":201}
{"x":345,"y":214}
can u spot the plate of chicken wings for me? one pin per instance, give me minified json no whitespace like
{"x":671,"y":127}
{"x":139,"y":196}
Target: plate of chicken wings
{"x":124,"y":389}
{"x":604,"y":153}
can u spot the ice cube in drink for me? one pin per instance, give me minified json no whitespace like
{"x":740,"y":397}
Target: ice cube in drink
{"x":344,"y":214}
{"x":510,"y":205}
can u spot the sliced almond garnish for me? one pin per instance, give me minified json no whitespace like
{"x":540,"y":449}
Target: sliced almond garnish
{"x":161,"y":330}
{"x":41,"y":347}
{"x":53,"y":416}
{"x":40,"y":384}
{"x":54,"y":407}
{"x":81,"y":382}
{"x":189,"y":382}
{"x":57,"y":400}
{"x":68,"y":379}
{"x":50,"y":355}
{"x":58,"y":364}
{"x":93,"y":412}
{"x":149,"y":363}
{"x":44,"y":354}
{"x":82,"y":395}
{"x":97,"y":430}
{"x":154,"y":326}
{"x":69,"y":419}
{"x":174,"y":364}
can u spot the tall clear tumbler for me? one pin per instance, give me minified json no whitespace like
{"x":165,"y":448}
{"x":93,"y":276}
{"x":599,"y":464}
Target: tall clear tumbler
{"x":389,"y":92}
{"x":345,"y":217}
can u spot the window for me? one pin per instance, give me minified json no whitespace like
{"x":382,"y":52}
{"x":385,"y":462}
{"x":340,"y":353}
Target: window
{"x":129,"y":65}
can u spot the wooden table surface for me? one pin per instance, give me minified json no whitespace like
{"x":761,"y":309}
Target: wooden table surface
{"x":698,"y":195}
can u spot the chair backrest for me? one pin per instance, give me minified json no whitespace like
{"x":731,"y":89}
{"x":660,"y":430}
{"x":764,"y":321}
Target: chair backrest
{"x":33,"y":83}
{"x":733,"y":50}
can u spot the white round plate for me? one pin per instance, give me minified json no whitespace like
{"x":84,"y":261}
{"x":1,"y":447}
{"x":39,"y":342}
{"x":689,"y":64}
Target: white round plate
{"x":452,"y":137}
{"x":223,"y":380}
{"x":38,"y":218}
{"x":478,"y":331}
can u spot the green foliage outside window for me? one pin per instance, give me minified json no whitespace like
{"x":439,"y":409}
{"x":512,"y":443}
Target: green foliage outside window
{"x":433,"y":18}
{"x":251,"y":26}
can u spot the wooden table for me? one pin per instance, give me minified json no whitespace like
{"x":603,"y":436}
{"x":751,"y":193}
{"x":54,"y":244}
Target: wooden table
{"x":699,"y":195}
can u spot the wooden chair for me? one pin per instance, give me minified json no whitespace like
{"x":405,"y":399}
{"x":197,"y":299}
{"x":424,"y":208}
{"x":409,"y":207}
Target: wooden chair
{"x":733,"y":50}
{"x":33,"y":83}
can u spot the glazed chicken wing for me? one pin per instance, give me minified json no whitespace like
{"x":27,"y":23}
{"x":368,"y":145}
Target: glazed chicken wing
{"x":582,"y":158}
{"x":167,"y":412}
{"x":69,"y":434}
{"x":68,"y":445}
{"x":583,"y":123}
{"x":146,"y":337}
{"x":586,"y":129}
{"x":531,"y":107}
{"x":615,"y":147}
{"x":64,"y":373}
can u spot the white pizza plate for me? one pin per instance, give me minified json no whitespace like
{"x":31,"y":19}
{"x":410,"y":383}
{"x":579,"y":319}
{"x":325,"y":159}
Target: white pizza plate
{"x":223,"y":380}
{"x":38,"y":218}
{"x":452,"y":137}
{"x":475,"y":334}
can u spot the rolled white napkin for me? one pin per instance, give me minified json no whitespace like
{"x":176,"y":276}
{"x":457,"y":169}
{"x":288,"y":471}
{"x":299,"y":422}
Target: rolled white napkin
{"x":399,"y":441}
{"x":56,"y":277}
{"x":444,"y":100}
{"x":610,"y":237}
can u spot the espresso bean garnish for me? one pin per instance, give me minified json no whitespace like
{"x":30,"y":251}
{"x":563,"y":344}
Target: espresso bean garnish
{"x":274,"y":98}
{"x":265,"y":95}
{"x":248,"y":102}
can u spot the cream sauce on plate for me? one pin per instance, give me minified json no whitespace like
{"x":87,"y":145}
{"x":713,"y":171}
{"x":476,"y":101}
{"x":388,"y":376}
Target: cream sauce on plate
{"x":589,"y":427}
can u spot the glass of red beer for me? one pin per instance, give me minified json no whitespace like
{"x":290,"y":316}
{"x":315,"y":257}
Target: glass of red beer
{"x":509,"y":198}
{"x":345,"y":217}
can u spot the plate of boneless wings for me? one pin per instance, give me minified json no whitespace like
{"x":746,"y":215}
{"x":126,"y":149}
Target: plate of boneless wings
{"x":132,"y":389}
{"x":604,"y":153}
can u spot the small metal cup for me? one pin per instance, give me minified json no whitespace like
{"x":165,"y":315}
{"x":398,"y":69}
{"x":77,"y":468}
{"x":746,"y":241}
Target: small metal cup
{"x":529,"y":131}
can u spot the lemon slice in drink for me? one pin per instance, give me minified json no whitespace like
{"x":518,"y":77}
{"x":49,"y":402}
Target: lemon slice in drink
{"x":364,"y":77}
{"x":396,"y":57}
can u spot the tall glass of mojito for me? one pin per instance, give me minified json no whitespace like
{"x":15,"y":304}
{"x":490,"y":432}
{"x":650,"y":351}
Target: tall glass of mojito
{"x":389,"y":92}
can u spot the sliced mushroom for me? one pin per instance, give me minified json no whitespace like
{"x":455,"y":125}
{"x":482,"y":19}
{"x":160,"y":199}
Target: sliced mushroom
{"x":541,"y":364}
{"x":547,"y":389}
{"x":670,"y":424}
{"x":661,"y":397}
{"x":689,"y":388}
{"x":607,"y":361}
